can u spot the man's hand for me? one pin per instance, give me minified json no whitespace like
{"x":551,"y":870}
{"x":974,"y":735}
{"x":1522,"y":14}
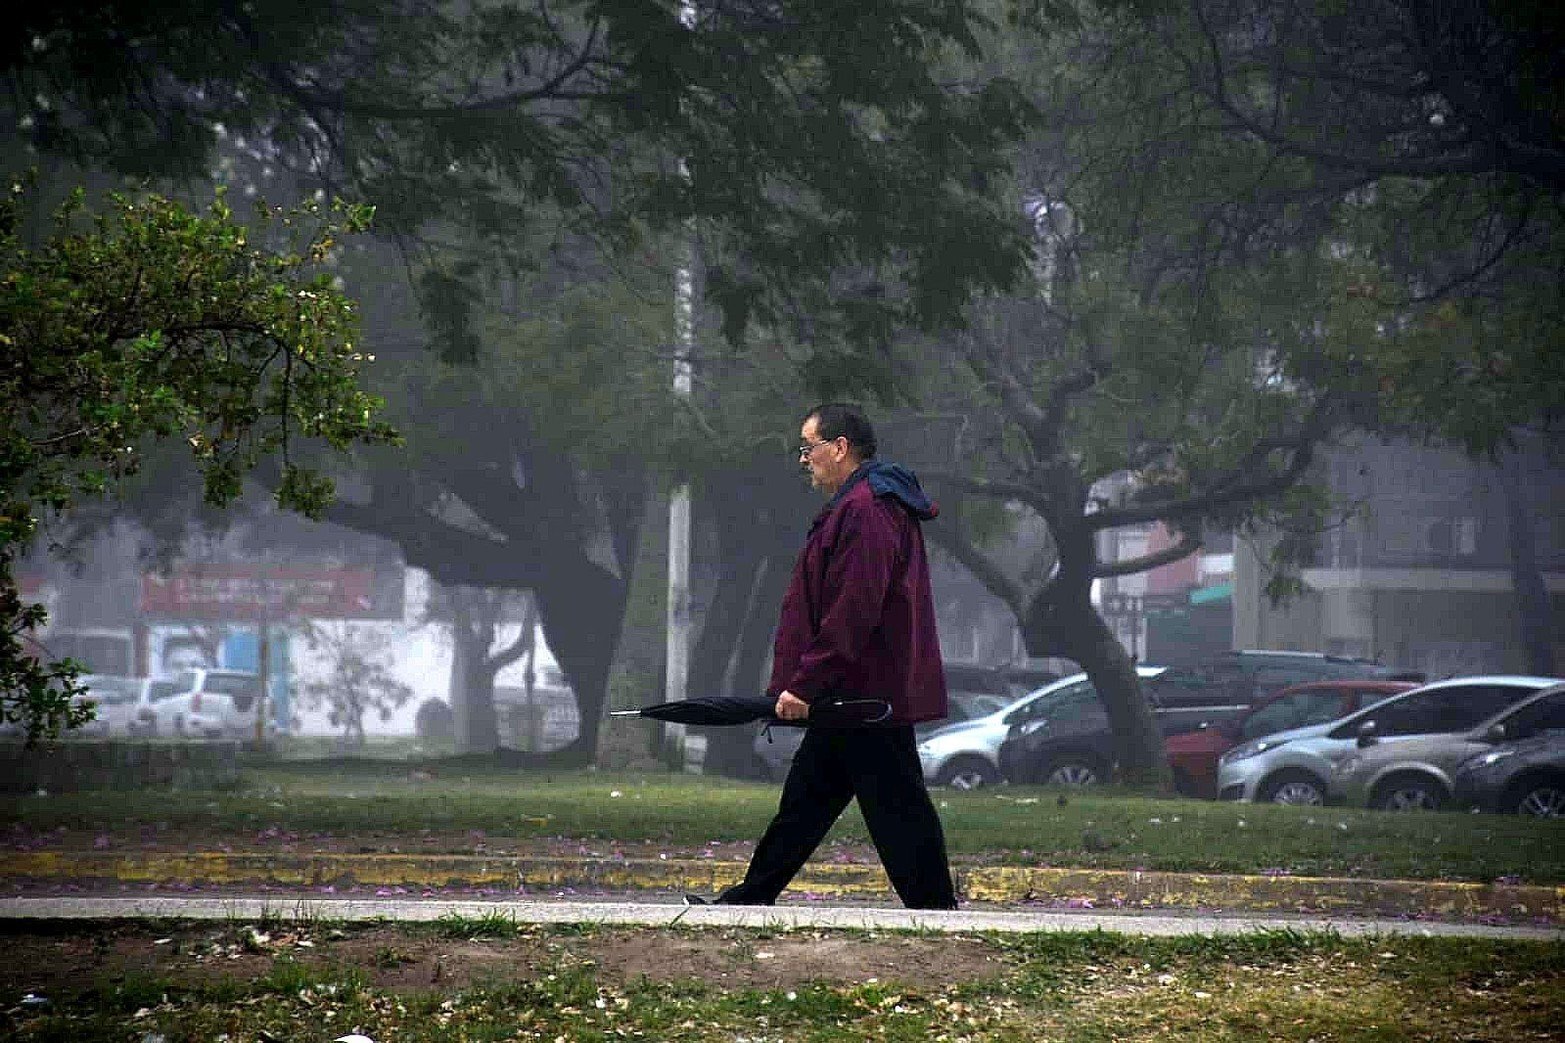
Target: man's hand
{"x":791,"y":708}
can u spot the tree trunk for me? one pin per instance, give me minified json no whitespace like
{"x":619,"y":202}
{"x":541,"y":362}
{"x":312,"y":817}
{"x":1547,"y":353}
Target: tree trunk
{"x":727,"y":749}
{"x":472,"y":685}
{"x":1062,"y":622}
{"x":755,"y":640}
{"x":582,"y":609}
{"x":1533,"y":605}
{"x":734,"y":506}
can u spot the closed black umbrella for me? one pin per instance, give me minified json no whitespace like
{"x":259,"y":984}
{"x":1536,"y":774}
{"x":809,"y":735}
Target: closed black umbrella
{"x":719,"y":710}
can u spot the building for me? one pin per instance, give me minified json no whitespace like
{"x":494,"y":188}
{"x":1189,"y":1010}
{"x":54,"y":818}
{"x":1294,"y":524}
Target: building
{"x":1423,"y":571}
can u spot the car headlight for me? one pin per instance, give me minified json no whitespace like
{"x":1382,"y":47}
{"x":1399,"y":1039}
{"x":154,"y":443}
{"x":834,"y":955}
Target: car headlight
{"x":1253,"y":748}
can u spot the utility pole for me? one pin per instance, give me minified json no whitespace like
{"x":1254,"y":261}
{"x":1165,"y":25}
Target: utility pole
{"x":678,"y":652}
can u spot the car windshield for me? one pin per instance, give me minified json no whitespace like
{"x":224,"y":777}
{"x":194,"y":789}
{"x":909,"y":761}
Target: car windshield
{"x":108,"y":691}
{"x":233,"y":684}
{"x":964,"y":706}
{"x":1294,"y":710}
{"x":1068,"y":702}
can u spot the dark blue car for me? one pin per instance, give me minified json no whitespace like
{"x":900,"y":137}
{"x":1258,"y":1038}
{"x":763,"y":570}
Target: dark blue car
{"x":1526,"y":777}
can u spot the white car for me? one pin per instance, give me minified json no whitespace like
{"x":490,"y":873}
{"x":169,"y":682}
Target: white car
{"x":113,"y":700}
{"x":1294,"y":767}
{"x":143,"y":722}
{"x":966,"y":755}
{"x":210,"y":704}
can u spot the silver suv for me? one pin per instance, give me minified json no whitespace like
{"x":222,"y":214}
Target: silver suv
{"x":211,"y":704}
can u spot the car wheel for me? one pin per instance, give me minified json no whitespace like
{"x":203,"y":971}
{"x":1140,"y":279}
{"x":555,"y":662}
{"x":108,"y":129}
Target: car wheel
{"x":1408,"y":793}
{"x":1074,"y":770}
{"x":1294,"y":787}
{"x":1541,"y":798}
{"x":967,"y":773}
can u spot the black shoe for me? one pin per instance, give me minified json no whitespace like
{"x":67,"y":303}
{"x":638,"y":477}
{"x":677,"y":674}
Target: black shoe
{"x":696,"y":900}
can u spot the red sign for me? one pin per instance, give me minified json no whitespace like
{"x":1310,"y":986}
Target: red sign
{"x":256,"y":592}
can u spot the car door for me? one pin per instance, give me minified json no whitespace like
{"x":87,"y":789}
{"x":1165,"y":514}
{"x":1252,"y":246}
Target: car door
{"x":1187,"y":699}
{"x":1542,"y":717}
{"x":1436,"y":711}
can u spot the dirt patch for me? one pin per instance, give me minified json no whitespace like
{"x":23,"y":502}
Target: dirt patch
{"x":51,"y":959}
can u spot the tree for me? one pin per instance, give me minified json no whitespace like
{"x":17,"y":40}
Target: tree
{"x":834,"y":182}
{"x":358,"y":680}
{"x":475,"y":617}
{"x":1230,"y":277}
{"x":148,"y":324}
{"x":434,"y":721}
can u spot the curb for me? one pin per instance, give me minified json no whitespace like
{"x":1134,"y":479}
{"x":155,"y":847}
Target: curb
{"x":1001,"y":885}
{"x":791,"y":916}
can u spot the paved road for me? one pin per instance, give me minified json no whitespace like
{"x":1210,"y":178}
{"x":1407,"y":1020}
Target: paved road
{"x":669,"y":912}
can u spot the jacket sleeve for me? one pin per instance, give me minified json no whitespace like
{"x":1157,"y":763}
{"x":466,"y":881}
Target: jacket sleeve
{"x":858,"y":578}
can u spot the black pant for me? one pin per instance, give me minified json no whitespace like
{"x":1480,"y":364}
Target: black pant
{"x":880,"y":767}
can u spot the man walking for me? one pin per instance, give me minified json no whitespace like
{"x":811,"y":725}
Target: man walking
{"x":858,"y":620}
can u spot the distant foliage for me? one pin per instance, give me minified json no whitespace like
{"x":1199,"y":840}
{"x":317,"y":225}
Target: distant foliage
{"x":434,"y":721}
{"x":358,"y":681}
{"x":149,"y":322}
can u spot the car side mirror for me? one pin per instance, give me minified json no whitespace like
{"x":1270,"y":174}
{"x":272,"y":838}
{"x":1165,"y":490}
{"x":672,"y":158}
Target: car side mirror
{"x":1366,"y":734}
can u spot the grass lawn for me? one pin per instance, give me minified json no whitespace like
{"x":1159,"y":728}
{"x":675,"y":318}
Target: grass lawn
{"x":379,"y":802}
{"x":483,"y":980}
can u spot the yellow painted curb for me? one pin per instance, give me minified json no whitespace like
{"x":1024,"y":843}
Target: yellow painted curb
{"x":1086,"y":888}
{"x":1137,"y":889}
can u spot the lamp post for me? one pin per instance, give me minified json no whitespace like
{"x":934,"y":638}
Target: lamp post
{"x":677,"y":674}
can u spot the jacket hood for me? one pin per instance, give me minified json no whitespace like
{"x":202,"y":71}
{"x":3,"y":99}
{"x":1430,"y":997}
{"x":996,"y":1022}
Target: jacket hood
{"x":886,"y":479}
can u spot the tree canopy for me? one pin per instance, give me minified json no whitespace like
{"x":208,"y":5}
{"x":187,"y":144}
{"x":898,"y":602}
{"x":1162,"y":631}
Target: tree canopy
{"x":150,"y":323}
{"x":836,"y":180}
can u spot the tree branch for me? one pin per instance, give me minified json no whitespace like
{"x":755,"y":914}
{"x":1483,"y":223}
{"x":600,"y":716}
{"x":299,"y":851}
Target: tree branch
{"x":1186,"y":546}
{"x":994,"y":579}
{"x":512,"y":652}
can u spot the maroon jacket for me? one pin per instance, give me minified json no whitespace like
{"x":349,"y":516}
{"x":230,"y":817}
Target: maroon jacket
{"x":858,"y":617}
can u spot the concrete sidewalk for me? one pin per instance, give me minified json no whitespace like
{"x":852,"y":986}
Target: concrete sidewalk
{"x":669,"y":914}
{"x":1076,"y":889}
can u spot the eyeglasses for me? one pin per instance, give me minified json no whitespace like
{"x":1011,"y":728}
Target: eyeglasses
{"x":806,"y":450}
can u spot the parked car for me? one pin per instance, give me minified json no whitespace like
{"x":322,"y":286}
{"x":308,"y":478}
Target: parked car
{"x":1193,"y":755}
{"x":144,"y":719}
{"x":1292,"y":767}
{"x":211,"y":704}
{"x":1515,"y":778}
{"x":1416,"y":774}
{"x":1067,"y":741}
{"x":967,"y":755}
{"x":972,"y":691}
{"x":1027,"y":676}
{"x":1252,"y":674}
{"x":113,"y":699}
